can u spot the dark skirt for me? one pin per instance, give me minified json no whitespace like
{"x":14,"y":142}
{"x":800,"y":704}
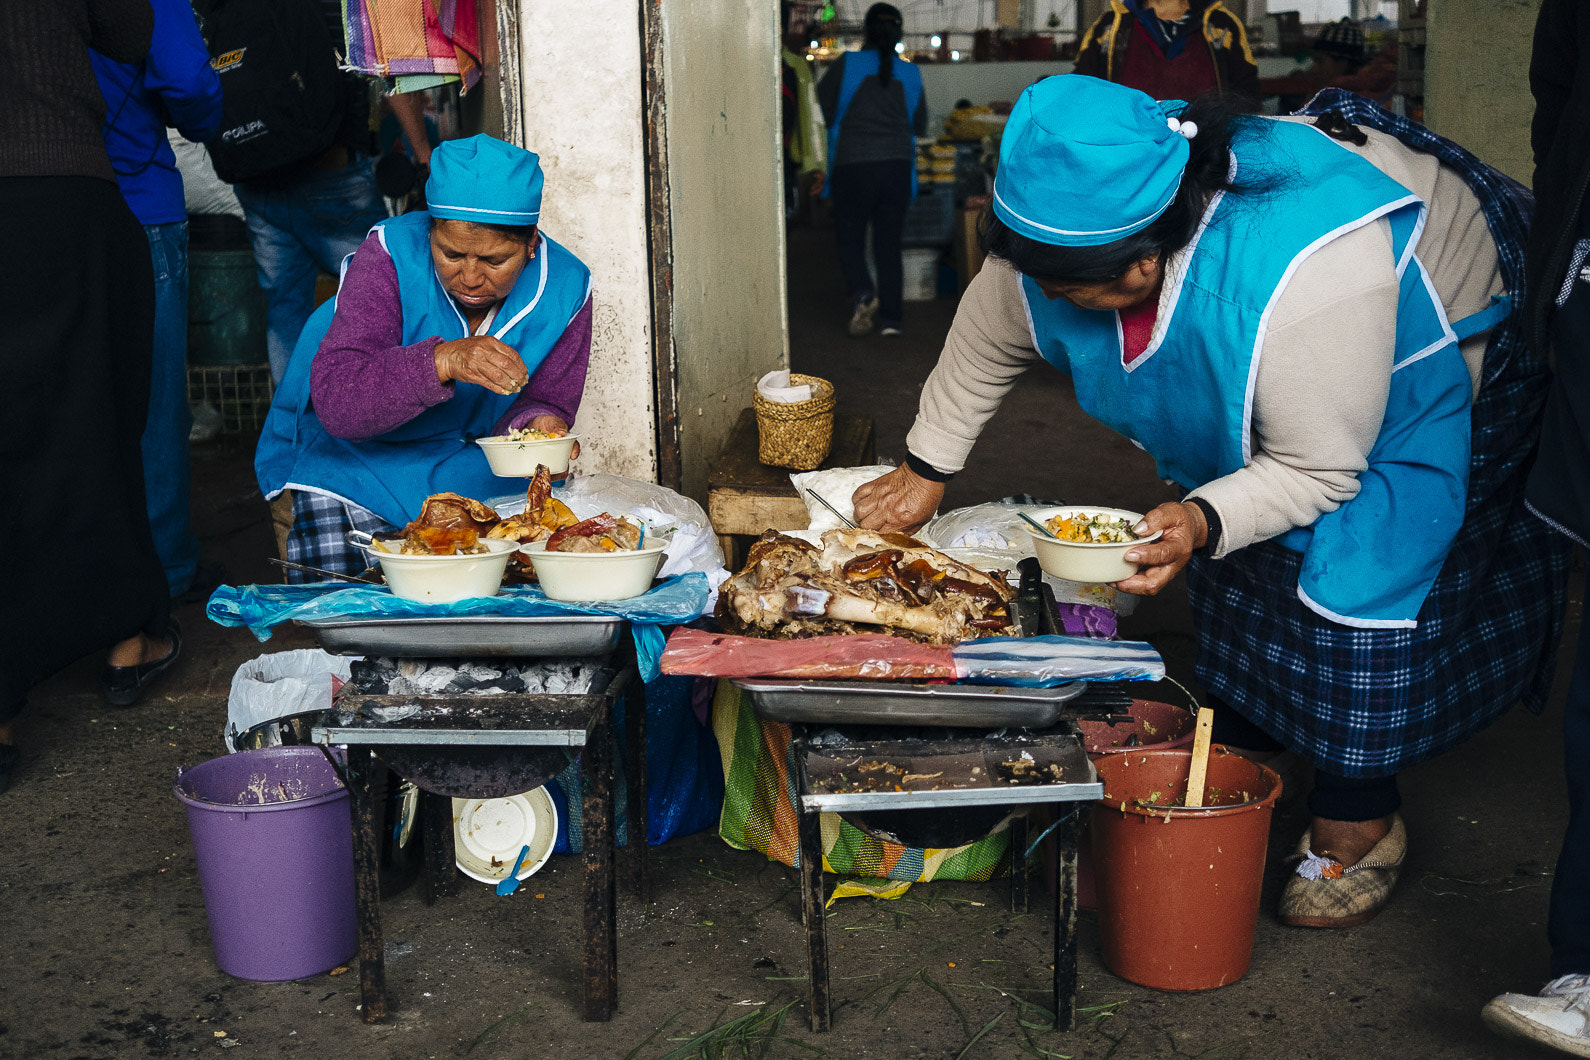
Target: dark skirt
{"x":76,"y":337}
{"x":1370,"y":702}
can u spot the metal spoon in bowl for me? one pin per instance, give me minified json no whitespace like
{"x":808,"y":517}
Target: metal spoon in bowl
{"x":1036,"y":525}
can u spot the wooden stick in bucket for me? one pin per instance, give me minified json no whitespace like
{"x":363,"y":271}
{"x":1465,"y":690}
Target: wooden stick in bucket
{"x":1199,"y":773}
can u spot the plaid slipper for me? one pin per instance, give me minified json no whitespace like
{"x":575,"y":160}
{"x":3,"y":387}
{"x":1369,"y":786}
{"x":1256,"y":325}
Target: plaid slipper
{"x":1320,"y":893}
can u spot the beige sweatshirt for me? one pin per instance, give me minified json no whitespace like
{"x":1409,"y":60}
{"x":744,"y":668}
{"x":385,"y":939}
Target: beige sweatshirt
{"x":1324,"y":368}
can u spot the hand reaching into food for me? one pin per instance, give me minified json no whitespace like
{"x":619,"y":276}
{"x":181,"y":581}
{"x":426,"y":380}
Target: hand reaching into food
{"x":484,"y":360}
{"x":1184,"y":530}
{"x":900,"y":500}
{"x":553,"y":426}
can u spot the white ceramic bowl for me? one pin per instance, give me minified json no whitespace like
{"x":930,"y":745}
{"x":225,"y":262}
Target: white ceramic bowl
{"x":511,"y":459}
{"x":446,"y":579}
{"x":1087,"y":562}
{"x":589,"y":577}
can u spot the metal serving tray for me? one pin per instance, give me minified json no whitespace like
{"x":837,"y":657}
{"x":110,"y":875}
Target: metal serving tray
{"x":471,"y":636}
{"x":863,"y":702}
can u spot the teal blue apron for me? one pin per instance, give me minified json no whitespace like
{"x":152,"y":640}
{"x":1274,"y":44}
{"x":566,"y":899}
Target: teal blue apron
{"x":434,"y":452}
{"x":858,"y":67}
{"x":1187,"y":399}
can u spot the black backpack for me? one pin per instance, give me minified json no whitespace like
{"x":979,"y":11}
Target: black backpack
{"x":282,"y":96}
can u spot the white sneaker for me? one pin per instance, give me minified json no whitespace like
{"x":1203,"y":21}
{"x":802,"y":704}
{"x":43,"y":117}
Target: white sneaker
{"x":1558,"y":1017}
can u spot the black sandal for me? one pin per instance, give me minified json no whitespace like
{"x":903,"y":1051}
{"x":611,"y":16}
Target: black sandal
{"x":125,"y":685}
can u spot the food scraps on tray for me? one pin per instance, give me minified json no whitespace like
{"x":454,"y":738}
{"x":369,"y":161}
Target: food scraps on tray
{"x":861,"y":580}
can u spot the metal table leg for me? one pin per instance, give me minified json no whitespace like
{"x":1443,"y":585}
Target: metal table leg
{"x":600,"y":893}
{"x":1018,"y":863}
{"x":812,"y":913}
{"x":440,"y":874}
{"x":367,"y":883}
{"x":635,"y":770}
{"x":1066,"y":835}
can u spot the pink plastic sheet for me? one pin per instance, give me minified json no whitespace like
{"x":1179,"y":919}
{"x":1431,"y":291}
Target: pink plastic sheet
{"x":702,"y":654}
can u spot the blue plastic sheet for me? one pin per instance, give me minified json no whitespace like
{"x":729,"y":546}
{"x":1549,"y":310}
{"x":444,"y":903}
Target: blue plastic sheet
{"x":262,"y":607}
{"x":1043,"y":662}
{"x":684,"y":773}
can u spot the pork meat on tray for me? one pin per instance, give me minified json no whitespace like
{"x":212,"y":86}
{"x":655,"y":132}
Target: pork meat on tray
{"x":861,"y":581}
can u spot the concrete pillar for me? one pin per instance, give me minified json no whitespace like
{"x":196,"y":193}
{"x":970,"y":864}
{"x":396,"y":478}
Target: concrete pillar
{"x":658,"y":129}
{"x":1476,"y":78}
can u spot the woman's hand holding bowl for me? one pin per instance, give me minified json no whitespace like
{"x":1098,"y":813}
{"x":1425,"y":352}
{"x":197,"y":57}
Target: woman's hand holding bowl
{"x":481,"y":359}
{"x":1184,"y":530}
{"x":547,"y":423}
{"x":900,"y":500}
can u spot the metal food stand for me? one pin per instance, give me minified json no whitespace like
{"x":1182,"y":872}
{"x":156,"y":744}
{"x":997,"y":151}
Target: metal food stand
{"x":491,"y":746}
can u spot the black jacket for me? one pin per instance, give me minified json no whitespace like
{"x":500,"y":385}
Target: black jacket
{"x":1559,"y":77}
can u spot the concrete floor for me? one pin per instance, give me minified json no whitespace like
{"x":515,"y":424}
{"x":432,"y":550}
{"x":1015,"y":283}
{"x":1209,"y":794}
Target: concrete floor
{"x":105,"y":952}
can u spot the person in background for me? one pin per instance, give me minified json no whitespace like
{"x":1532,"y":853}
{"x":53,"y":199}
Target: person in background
{"x":1172,"y":49}
{"x":872,"y":102}
{"x":805,"y":159}
{"x":1341,"y":60}
{"x":78,"y":306}
{"x":174,"y":84}
{"x":308,"y":214}
{"x":1557,"y":318}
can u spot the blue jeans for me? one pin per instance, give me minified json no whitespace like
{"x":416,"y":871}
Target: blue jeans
{"x":165,"y":438}
{"x":298,"y":230}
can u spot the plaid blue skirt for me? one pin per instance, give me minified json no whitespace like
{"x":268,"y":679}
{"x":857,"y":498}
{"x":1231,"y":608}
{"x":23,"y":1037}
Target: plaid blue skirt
{"x":319,"y":535}
{"x":1369,"y":702}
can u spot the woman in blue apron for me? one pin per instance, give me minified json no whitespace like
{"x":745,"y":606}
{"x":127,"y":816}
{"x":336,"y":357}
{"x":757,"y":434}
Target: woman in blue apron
{"x":872,"y":102}
{"x":450,"y":324}
{"x":1307,"y":323}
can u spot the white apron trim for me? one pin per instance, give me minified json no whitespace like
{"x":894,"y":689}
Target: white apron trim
{"x":1356,"y":623}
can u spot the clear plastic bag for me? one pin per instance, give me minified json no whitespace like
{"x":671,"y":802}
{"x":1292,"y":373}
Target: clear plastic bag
{"x":993,"y":536}
{"x":1042,"y":662}
{"x":692,"y":544}
{"x":280,"y":684}
{"x":836,"y":485}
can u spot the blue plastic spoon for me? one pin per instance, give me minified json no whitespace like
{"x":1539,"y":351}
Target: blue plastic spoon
{"x":511,"y":884}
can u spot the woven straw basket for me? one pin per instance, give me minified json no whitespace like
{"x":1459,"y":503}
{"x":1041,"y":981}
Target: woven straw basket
{"x":796,"y":436}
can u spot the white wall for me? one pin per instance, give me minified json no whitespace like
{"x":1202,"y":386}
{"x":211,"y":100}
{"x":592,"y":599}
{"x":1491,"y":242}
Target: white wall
{"x":580,"y":73}
{"x":721,"y":84}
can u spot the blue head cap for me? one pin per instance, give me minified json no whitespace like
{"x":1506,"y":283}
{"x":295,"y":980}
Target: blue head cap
{"x":486,"y":180}
{"x":1084,"y":162}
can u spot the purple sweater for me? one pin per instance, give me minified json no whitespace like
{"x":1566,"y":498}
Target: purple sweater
{"x":364,"y":382}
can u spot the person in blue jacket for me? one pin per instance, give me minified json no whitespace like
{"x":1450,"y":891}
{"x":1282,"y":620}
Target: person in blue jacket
{"x":173,"y":85}
{"x":872,"y":102}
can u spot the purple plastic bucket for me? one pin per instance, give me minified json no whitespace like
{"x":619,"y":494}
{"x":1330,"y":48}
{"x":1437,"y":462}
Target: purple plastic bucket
{"x":272,"y":839}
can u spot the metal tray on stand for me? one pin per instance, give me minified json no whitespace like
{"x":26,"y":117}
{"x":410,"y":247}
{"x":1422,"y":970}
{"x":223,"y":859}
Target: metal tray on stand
{"x":908,"y":703}
{"x":471,"y":636}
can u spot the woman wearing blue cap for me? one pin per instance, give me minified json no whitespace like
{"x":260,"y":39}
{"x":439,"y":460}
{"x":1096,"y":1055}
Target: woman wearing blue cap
{"x":452,"y":323}
{"x":1306,"y":325}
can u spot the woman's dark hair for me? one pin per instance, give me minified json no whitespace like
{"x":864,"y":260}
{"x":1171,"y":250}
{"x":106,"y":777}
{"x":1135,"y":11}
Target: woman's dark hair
{"x":884,"y":26}
{"x":1208,"y":173}
{"x":521,"y":233}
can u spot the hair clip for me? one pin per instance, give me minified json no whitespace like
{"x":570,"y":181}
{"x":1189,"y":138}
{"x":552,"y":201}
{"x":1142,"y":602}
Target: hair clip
{"x":1188,"y":129}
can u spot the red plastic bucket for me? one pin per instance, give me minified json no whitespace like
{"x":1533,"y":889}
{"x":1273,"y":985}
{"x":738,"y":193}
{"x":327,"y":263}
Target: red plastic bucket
{"x":1178,"y":888}
{"x":1161,"y":726}
{"x":274,"y":847}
